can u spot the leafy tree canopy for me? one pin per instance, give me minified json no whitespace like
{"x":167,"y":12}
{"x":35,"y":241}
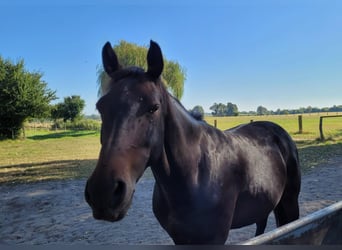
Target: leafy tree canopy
{"x":23,"y":95}
{"x":70,"y":109}
{"x":220,"y":109}
{"x":262,"y":110}
{"x":130,"y":54}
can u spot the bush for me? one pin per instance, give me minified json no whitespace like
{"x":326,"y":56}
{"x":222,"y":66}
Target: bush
{"x":82,"y":124}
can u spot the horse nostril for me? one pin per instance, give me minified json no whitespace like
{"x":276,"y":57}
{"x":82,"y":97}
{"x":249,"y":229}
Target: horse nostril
{"x":119,"y":191}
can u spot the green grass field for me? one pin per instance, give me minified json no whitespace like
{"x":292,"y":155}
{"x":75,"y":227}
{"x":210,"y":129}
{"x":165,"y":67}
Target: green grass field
{"x":332,"y":127}
{"x":53,"y":155}
{"x":48,"y":155}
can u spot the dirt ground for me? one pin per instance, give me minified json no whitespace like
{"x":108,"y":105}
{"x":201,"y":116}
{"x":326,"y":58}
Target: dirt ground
{"x":56,"y":212}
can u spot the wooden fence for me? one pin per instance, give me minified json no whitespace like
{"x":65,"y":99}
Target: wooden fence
{"x":321,"y":124}
{"x":300,"y":124}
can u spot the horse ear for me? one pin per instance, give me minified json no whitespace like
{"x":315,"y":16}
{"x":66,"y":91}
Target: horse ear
{"x":109,"y":59}
{"x":154,"y":60}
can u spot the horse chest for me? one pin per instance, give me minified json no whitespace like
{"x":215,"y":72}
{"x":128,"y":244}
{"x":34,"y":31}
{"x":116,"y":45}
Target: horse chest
{"x":196,"y":225}
{"x":195,"y":217}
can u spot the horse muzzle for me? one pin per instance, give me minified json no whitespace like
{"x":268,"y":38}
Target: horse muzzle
{"x":109,"y":202}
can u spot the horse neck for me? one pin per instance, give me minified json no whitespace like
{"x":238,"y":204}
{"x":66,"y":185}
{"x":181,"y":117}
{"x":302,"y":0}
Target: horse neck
{"x":181,"y":148}
{"x":180,"y":127}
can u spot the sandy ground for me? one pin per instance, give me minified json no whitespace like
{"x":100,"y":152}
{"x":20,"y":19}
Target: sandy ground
{"x":56,"y":212}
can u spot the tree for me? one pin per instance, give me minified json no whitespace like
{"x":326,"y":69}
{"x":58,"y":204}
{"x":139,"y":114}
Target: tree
{"x":198,"y":110}
{"x":130,"y":54}
{"x":262,"y":110}
{"x":57,"y":111}
{"x":219,"y":109}
{"x":214,"y":109}
{"x":70,"y":109}
{"x":308,"y":109}
{"x":232,"y":109}
{"x":23,"y":95}
{"x":174,"y":77}
{"x":73,"y":107}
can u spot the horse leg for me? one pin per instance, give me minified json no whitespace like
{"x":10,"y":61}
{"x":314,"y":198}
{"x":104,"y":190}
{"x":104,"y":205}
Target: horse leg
{"x":261,"y":225}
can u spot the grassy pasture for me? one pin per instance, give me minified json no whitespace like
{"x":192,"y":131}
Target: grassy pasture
{"x":53,"y":155}
{"x":332,"y":127}
{"x":48,"y":155}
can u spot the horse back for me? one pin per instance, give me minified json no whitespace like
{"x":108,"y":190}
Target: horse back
{"x":265,"y":133}
{"x":269,"y":134}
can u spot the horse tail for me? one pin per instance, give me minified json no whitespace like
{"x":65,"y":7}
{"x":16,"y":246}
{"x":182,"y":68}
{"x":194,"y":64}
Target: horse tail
{"x":287,"y":210}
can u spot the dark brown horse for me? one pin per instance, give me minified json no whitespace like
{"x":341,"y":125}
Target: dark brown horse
{"x":207,"y":181}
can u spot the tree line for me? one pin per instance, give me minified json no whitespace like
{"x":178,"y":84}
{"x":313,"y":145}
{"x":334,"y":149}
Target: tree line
{"x":230,"y":109}
{"x":264,"y":111}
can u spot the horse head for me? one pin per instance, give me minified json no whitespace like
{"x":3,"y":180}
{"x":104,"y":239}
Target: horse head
{"x":131,"y":132}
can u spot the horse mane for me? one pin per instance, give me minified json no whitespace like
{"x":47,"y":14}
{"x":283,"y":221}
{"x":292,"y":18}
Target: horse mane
{"x":132,"y":71}
{"x":107,"y":81}
{"x":197,"y":115}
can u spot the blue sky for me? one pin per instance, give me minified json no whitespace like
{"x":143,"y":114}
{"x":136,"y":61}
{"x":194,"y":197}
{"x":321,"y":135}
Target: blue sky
{"x":278,"y":54}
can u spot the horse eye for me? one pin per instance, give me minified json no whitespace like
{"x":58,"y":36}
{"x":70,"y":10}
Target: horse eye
{"x":154,"y":108}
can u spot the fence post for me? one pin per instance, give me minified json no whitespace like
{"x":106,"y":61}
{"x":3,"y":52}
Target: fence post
{"x":321,"y":128}
{"x":215,"y":123}
{"x":300,"y":124}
